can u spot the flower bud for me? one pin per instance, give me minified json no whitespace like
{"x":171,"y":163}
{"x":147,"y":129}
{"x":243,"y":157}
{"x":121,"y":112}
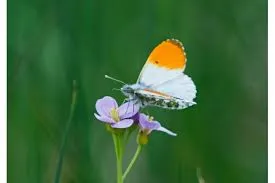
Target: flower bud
{"x":142,"y":138}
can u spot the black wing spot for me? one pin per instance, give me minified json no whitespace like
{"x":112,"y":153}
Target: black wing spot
{"x":170,"y":104}
{"x":156,"y":62}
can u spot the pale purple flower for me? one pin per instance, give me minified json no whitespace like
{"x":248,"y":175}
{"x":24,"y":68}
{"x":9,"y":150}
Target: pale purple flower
{"x":118,"y":117}
{"x":147,"y":125}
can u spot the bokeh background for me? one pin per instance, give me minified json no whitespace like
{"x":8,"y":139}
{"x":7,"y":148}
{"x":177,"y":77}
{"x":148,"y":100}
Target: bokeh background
{"x":51,"y":43}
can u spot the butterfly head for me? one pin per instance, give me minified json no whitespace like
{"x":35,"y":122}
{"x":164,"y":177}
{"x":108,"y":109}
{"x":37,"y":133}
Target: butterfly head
{"x":128,"y":90}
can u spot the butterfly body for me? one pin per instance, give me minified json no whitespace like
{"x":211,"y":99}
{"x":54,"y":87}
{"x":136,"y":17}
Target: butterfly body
{"x":162,"y":82}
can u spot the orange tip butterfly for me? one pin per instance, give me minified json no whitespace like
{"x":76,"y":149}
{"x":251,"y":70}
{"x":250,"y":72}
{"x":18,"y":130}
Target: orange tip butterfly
{"x":161,"y":82}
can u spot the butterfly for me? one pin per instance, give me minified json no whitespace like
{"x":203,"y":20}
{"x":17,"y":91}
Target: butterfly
{"x":161,"y":82}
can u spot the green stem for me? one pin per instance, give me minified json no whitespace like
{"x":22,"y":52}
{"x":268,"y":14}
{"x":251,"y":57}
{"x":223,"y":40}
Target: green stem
{"x":119,"y":150}
{"x":132,"y":161}
{"x":65,"y":135}
{"x":115,"y":144}
{"x":199,"y":176}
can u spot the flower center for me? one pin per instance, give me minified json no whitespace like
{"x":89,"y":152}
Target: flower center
{"x":114,"y":115}
{"x":151,"y":118}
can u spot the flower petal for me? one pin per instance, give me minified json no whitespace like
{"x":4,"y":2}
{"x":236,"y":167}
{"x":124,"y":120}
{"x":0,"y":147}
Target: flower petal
{"x":144,"y":123}
{"x":104,"y":119}
{"x":104,"y":106}
{"x":128,"y":110}
{"x":142,"y":120}
{"x":166,"y":131}
{"x":136,"y":117}
{"x":123,"y":123}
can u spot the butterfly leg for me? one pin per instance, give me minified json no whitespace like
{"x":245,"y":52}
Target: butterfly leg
{"x":135,"y":101}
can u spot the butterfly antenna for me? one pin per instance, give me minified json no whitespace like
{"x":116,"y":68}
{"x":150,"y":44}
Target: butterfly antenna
{"x":116,"y":89}
{"x":114,"y":79}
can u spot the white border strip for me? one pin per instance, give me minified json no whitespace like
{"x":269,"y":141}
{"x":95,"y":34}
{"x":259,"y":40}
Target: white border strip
{"x":3,"y":90}
{"x":271,"y":91}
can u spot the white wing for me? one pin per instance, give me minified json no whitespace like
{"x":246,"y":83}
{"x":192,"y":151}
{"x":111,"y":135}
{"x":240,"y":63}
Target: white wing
{"x":154,"y":75}
{"x":181,"y":87}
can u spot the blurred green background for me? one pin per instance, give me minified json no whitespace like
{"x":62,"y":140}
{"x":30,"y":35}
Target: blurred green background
{"x":51,"y":43}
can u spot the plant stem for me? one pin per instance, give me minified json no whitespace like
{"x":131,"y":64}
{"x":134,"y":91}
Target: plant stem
{"x":115,"y":144}
{"x":132,"y":161}
{"x":118,"y":149}
{"x":119,"y":170}
{"x":65,"y":135}
{"x":199,"y":176}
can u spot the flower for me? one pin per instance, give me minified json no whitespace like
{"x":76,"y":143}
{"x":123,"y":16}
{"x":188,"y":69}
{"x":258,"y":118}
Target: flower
{"x":118,"y":117}
{"x":147,"y":125}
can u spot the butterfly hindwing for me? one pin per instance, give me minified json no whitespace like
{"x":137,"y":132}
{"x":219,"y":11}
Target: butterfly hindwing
{"x":149,"y":97}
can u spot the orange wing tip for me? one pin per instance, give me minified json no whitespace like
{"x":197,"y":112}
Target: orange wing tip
{"x":169,"y":54}
{"x":176,"y":42}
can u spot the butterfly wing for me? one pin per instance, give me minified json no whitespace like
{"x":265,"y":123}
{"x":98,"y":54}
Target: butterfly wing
{"x":181,"y":87}
{"x":149,"y":97}
{"x":166,"y":62}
